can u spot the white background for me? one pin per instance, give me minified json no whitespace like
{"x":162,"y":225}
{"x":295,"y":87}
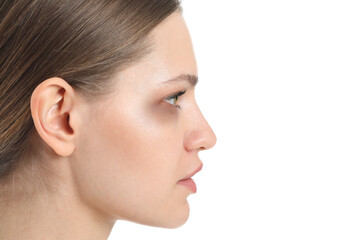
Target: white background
{"x":279,"y":82}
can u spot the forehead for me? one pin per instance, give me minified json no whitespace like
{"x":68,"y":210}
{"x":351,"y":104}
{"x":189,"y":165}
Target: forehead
{"x":172,"y":43}
{"x":172,"y":55}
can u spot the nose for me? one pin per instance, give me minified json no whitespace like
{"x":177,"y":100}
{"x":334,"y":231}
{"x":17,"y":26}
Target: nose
{"x":199,"y":135}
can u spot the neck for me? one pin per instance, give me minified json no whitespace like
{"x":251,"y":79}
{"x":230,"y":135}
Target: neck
{"x":52,"y":216}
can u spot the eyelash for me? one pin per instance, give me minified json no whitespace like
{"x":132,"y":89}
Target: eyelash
{"x":176,"y":96}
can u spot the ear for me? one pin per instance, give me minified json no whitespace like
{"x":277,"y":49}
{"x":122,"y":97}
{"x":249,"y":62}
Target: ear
{"x":53,"y":111}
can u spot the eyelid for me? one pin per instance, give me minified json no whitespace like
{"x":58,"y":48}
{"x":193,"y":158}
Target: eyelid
{"x":176,"y":96}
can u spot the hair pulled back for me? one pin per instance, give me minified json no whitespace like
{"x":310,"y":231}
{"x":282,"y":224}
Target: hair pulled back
{"x":84,"y":42}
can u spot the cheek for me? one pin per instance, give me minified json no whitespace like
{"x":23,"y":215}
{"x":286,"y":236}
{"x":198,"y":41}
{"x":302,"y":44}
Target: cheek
{"x":129,"y":164}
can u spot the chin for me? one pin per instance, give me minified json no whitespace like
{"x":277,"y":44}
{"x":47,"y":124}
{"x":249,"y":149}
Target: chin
{"x":176,"y":224}
{"x":171,"y":224}
{"x":176,"y":219}
{"x":171,"y":219}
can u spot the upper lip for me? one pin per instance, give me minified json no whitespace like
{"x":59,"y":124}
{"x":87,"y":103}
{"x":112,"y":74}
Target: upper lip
{"x":194,"y":172}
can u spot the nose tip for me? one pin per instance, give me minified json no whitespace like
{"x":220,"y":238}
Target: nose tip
{"x":201,"y":139}
{"x":199,"y":135}
{"x":211,"y":139}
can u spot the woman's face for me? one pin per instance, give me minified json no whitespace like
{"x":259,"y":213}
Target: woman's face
{"x":135,"y":148}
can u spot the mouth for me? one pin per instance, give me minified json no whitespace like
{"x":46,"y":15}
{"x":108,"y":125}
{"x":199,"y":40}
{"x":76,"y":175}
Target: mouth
{"x":189,"y":182}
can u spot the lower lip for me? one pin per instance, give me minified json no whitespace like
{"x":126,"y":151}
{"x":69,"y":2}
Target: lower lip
{"x":189,"y":183}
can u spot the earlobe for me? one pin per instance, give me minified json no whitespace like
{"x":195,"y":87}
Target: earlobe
{"x":52,"y":106}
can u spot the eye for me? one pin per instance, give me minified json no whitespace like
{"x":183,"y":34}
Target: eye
{"x":174,"y":98}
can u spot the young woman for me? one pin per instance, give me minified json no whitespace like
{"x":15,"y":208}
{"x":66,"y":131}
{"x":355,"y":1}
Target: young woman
{"x":98,"y":118}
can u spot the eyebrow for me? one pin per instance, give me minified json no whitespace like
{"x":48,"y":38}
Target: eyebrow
{"x":191,"y":79}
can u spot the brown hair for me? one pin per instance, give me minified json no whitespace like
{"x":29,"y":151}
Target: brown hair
{"x":84,"y":42}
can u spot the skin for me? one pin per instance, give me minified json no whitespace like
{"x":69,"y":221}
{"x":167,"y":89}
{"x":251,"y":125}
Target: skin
{"x":120,"y":158}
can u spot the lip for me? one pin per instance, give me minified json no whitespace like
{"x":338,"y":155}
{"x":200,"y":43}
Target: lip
{"x":198,"y":169}
{"x":189,"y":182}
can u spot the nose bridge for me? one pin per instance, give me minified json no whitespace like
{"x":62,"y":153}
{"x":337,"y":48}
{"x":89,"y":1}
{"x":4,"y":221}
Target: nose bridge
{"x":199,"y":135}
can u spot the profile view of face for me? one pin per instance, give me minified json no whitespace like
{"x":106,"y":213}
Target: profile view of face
{"x":137,"y":146}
